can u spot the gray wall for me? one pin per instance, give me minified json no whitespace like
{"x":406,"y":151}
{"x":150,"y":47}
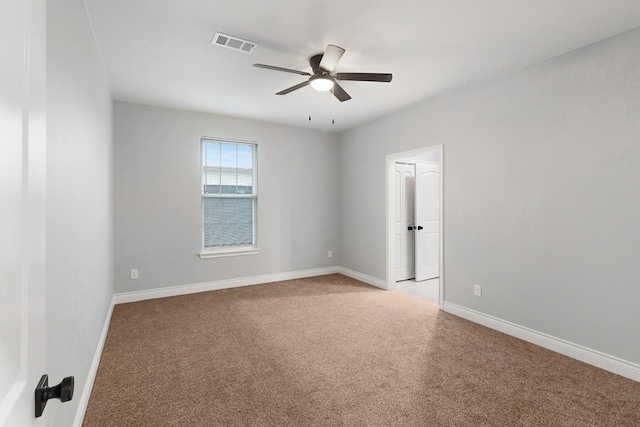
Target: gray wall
{"x":79,"y":200}
{"x":157,"y":198}
{"x":542,"y":205}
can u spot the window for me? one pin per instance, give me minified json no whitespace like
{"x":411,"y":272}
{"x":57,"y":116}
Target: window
{"x":229,"y":197}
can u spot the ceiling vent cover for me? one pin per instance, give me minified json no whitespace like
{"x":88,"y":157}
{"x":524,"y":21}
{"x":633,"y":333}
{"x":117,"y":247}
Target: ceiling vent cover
{"x":234,"y":43}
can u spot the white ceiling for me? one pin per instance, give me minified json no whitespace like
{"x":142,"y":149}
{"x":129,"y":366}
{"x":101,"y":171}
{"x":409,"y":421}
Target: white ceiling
{"x":159,"y":52}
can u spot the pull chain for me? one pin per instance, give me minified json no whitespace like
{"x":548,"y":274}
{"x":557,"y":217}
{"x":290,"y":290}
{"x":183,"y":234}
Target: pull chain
{"x":309,"y":100}
{"x":333,"y":103}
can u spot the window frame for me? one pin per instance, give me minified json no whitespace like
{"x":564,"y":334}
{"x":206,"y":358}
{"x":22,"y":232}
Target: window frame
{"x":227,"y":251}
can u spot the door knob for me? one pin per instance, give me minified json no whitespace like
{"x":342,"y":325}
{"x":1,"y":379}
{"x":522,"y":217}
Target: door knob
{"x":63,"y":391}
{"x":420,"y":227}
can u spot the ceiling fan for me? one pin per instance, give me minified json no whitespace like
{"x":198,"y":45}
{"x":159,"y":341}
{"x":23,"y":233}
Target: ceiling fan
{"x":321,"y":79}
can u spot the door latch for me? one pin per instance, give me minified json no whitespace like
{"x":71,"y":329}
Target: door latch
{"x":410,"y":228}
{"x":63,"y":391}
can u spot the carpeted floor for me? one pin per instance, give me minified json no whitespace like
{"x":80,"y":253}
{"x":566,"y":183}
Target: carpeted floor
{"x":332,"y":351}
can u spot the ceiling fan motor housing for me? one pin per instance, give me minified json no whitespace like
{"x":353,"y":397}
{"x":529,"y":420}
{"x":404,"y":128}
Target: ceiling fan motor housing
{"x":314,"y":61}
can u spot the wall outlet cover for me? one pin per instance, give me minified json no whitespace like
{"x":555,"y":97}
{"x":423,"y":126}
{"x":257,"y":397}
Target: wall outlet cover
{"x":477,"y":290}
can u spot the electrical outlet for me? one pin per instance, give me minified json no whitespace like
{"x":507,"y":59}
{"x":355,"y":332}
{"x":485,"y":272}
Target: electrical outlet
{"x":330,"y":254}
{"x":134,"y":273}
{"x":477,"y":290}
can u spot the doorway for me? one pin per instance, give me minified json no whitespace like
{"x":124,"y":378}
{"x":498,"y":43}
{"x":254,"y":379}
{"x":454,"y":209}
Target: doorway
{"x":414,"y":223}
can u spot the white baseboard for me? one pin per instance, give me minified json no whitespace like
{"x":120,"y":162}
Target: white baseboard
{"x":126,"y":297}
{"x":93,"y":370}
{"x":592,"y":357}
{"x":373,"y":281}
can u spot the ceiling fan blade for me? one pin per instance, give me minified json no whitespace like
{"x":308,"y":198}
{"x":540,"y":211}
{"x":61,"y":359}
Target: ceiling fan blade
{"x":340,"y":93}
{"x":365,"y":77}
{"x":331,"y":57}
{"x":286,"y":70}
{"x":292,"y":88}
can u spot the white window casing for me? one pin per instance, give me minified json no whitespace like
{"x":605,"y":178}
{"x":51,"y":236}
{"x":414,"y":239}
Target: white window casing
{"x":229,"y":198}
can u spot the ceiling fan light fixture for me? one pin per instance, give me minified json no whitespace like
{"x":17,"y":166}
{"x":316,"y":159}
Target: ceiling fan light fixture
{"x":321,"y":83}
{"x":322,"y":80}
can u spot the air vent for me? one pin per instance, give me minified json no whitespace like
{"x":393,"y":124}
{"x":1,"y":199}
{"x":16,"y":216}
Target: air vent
{"x":234,"y":43}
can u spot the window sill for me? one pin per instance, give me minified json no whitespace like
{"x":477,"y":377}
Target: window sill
{"x":228,"y":252}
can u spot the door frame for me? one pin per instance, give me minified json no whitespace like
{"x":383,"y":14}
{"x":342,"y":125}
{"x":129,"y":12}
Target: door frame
{"x":391,"y":159}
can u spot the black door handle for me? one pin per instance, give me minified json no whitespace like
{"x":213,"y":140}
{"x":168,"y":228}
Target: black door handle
{"x":410,"y":228}
{"x":419,"y":227}
{"x":63,"y":391}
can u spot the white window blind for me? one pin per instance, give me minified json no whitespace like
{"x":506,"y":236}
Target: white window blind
{"x":229,"y":194}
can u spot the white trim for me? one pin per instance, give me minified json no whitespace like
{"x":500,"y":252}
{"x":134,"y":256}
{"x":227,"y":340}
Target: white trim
{"x":411,"y":156}
{"x":592,"y":357}
{"x":9,"y":401}
{"x":370,"y":280}
{"x":93,"y":369}
{"x":254,"y":195}
{"x":126,"y":297}
{"x":229,"y":252}
{"x":441,"y":279}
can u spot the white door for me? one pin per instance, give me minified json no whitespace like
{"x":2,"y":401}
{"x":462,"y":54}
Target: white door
{"x":22,"y":208}
{"x":427,"y":221}
{"x":404,"y":181}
